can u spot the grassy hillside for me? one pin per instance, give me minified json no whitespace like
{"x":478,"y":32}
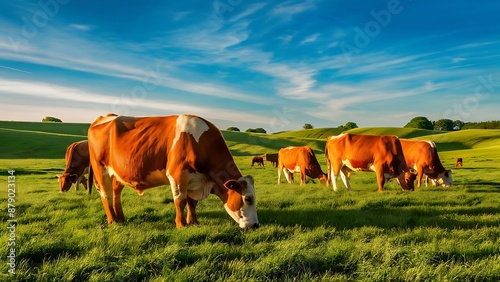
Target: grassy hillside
{"x":315,"y":133}
{"x":246,"y":144}
{"x":470,"y":138}
{"x":400,"y":132}
{"x":79,"y":129}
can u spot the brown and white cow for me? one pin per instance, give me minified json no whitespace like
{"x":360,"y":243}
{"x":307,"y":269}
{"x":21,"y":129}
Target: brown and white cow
{"x":300,"y":159}
{"x":273,"y":158}
{"x":423,"y":156}
{"x":185,"y":151}
{"x":258,"y":160}
{"x":381,"y":154}
{"x":459,"y":162}
{"x":77,"y":165}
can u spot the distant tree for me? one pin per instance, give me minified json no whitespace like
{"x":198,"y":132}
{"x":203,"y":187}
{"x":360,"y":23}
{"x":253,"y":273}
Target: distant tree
{"x":308,"y":126}
{"x":420,"y":122}
{"x":443,"y":125}
{"x":458,"y":124}
{"x":350,"y":125}
{"x":51,"y":119}
{"x":256,"y":130}
{"x":232,"y":128}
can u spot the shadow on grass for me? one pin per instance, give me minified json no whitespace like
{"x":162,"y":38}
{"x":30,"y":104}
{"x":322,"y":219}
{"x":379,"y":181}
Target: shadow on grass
{"x":21,"y":171}
{"x":483,"y":187}
{"x":377,"y":216}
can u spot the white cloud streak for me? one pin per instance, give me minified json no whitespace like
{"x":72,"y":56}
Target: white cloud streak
{"x":112,"y":103}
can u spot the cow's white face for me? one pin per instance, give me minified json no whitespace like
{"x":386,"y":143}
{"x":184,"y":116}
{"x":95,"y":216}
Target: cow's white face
{"x":444,"y":179}
{"x":242,"y":206}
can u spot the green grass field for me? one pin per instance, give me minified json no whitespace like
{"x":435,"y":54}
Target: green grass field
{"x":307,"y":233}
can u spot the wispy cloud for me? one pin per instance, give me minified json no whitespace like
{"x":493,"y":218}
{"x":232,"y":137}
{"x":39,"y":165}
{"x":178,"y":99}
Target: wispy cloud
{"x":113,"y":103}
{"x":80,"y":27}
{"x":458,"y":60}
{"x":290,"y":8}
{"x":14,"y":69}
{"x":310,"y":39}
{"x":252,"y":9}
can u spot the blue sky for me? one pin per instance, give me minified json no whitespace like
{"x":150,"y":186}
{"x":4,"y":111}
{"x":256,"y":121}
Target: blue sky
{"x":275,"y":65}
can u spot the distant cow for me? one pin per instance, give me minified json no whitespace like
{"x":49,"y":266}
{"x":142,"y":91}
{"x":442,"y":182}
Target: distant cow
{"x":186,"y":152}
{"x":423,"y":156}
{"x":273,"y":158}
{"x":258,"y":160}
{"x":382,"y":154}
{"x":77,"y":165}
{"x":459,"y":162}
{"x":299,"y":159}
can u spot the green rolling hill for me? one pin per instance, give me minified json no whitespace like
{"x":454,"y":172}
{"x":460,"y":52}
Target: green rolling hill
{"x":50,"y":140}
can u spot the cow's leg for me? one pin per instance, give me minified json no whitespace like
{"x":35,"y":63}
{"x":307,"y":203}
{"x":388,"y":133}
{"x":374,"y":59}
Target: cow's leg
{"x":380,"y":178}
{"x":77,"y":183}
{"x":191,"y":212}
{"x":105,"y":181}
{"x":420,"y":174}
{"x":302,"y":177}
{"x":287,"y":174}
{"x":83,"y":180}
{"x":333,"y":175}
{"x":117,"y":201}
{"x":344,"y":174}
{"x":178,"y":182}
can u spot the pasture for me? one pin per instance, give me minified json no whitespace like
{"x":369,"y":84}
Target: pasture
{"x":307,"y":233}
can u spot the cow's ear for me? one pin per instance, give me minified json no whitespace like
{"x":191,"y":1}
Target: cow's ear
{"x":233,"y":185}
{"x":73,"y":177}
{"x":58,"y":176}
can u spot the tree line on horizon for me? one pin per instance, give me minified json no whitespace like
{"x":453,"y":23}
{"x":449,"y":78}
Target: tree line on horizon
{"x":421,"y":122}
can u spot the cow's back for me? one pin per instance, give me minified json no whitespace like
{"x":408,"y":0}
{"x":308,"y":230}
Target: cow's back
{"x":137,"y":147}
{"x":365,"y":150}
{"x":418,"y":152}
{"x":77,"y":157}
{"x":358,"y":148}
{"x":290,"y":157}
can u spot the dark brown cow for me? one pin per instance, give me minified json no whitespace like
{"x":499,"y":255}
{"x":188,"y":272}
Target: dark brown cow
{"x":258,"y":160}
{"x":185,"y":151}
{"x":423,"y":156}
{"x":273,"y":158}
{"x":382,"y":154}
{"x":459,"y":162}
{"x":299,"y":159}
{"x":77,"y":164}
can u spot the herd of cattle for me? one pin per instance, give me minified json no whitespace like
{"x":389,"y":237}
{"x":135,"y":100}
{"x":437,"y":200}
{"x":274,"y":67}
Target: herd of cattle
{"x":190,"y":154}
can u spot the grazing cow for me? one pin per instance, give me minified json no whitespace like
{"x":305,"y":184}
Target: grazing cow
{"x":185,"y":151}
{"x":77,"y":165}
{"x":299,"y":159}
{"x":258,"y":160}
{"x":273,"y":158}
{"x":459,"y":162}
{"x":423,"y":156}
{"x":382,"y":154}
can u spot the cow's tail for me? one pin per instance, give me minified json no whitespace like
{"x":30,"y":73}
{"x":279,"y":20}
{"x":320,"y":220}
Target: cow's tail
{"x":90,"y":180}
